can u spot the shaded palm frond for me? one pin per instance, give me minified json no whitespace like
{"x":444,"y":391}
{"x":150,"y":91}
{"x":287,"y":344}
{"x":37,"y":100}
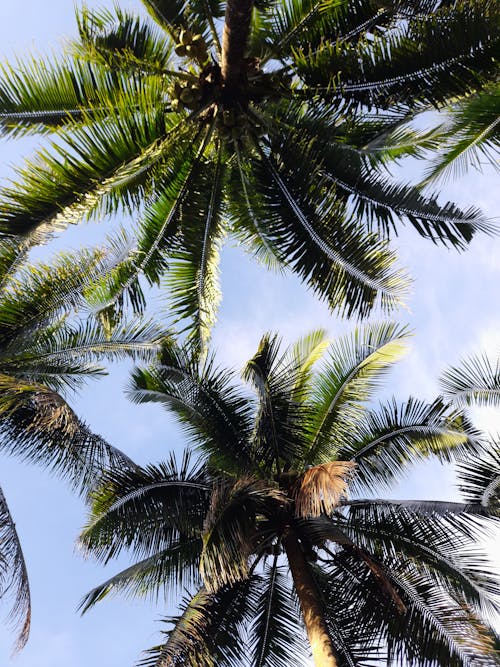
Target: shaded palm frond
{"x":153,"y":577}
{"x":229,"y":536}
{"x":443,"y":547}
{"x":39,"y":426}
{"x":14,"y":584}
{"x":208,"y":630}
{"x":126,"y":506}
{"x":348,"y":267}
{"x":476,"y":381}
{"x":121,"y":40}
{"x":273,"y":634}
{"x":207,"y":402}
{"x":479,"y":478}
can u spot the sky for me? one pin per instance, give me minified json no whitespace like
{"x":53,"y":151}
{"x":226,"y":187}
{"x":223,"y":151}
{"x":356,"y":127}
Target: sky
{"x":454,"y":310}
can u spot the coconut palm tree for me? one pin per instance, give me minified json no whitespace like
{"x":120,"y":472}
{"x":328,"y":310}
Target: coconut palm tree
{"x":277,"y":527}
{"x":255,"y":119}
{"x":46,"y":350}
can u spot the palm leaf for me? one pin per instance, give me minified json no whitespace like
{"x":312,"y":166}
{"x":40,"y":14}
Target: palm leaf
{"x":192,"y":279}
{"x":229,"y":536}
{"x":475,"y":382}
{"x":385,"y":442}
{"x":125,"y":508}
{"x":348,"y":267}
{"x":208,"y":630}
{"x":14,"y":582}
{"x":121,"y":40}
{"x":471,"y":136}
{"x":39,"y":426}
{"x":206,"y":400}
{"x":273,"y":634}
{"x":479,"y":478}
{"x":353,"y":370}
{"x":158,"y":574}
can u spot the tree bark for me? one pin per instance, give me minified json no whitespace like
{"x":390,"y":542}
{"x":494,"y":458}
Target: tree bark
{"x":324,"y":653}
{"x":234,"y":39}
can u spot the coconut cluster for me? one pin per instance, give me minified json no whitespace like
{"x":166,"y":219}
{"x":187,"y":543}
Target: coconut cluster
{"x":201,"y":88}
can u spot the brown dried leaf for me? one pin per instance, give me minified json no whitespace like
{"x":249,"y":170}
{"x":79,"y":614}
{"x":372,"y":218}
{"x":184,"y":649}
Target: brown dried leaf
{"x":319,"y":490}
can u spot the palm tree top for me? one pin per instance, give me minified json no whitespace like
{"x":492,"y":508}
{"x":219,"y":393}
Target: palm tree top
{"x":287,"y":483}
{"x":269,"y":122}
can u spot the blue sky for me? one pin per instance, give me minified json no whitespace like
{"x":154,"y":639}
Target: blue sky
{"x":453,"y":309}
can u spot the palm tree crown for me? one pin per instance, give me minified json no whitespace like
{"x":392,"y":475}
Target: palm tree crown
{"x":286,"y":483}
{"x":265,"y":120}
{"x":45,"y":350}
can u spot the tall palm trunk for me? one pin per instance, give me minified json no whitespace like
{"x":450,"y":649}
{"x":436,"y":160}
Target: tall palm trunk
{"x":324,"y":653}
{"x":234,"y":39}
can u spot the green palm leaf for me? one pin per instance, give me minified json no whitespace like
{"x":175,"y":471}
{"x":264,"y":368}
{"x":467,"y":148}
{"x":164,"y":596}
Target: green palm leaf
{"x":352,"y":372}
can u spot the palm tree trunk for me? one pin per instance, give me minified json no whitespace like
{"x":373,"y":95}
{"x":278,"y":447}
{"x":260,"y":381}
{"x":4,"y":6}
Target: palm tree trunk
{"x":234,"y":39}
{"x":324,"y":653}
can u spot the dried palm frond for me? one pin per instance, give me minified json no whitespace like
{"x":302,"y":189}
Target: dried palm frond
{"x":319,"y":489}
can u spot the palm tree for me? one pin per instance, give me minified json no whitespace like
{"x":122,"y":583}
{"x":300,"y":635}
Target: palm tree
{"x":45,"y":350}
{"x":285,"y":483}
{"x":260,"y":120}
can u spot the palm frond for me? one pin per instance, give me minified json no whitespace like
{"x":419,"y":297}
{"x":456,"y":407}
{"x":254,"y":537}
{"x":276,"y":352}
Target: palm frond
{"x":40,"y":427}
{"x":276,"y":439}
{"x":375,"y":200}
{"x":386,"y":442}
{"x":192,"y":278}
{"x":102,"y":165}
{"x":35,"y":295}
{"x":476,"y":381}
{"x":207,"y":402}
{"x":352,"y":371}
{"x":14,"y":584}
{"x":197,"y":16}
{"x":57,"y":357}
{"x":229,"y":535}
{"x":443,"y":547}
{"x":427,"y":60}
{"x":154,"y":576}
{"x":348,"y":267}
{"x":479,"y":478}
{"x":126,"y":506}
{"x":273,"y":634}
{"x":121,"y":40}
{"x":208,"y":630}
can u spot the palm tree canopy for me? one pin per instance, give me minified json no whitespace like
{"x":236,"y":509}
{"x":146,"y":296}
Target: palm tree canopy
{"x":289,"y":474}
{"x":46,"y":350}
{"x":260,"y":120}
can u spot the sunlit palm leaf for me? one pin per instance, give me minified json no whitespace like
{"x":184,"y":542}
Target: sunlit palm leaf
{"x":353,"y":370}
